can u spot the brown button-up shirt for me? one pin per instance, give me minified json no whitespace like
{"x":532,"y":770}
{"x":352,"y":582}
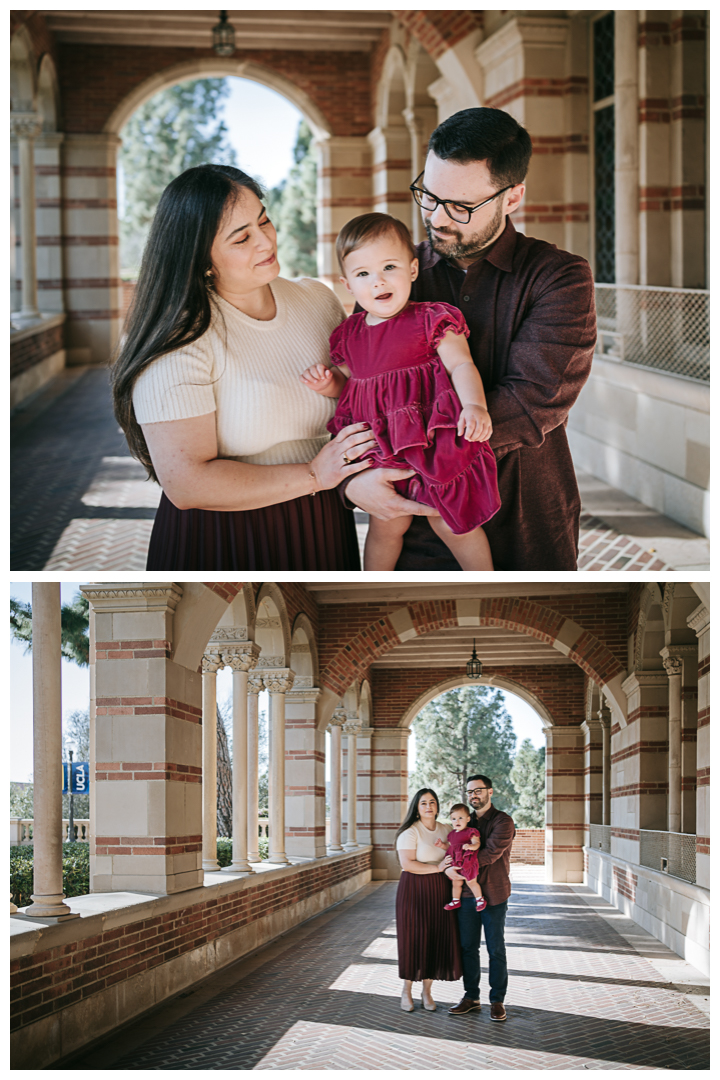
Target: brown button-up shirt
{"x":497,"y":831}
{"x":530,"y":308}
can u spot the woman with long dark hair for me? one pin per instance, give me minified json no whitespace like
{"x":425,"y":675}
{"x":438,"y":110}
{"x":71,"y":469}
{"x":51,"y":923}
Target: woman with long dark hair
{"x":207,"y":390}
{"x":427,"y":935}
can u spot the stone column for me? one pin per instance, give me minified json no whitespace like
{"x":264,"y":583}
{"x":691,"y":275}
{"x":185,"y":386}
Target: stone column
{"x":278,"y":682}
{"x":364,"y":786}
{"x":565,"y":802}
{"x":688,"y":819}
{"x":673,"y":666}
{"x":255,"y":685}
{"x":640,"y":768}
{"x":420,"y":120}
{"x":211,"y":664}
{"x":26,"y":127}
{"x":699,"y":621}
{"x":654,"y":150}
{"x":304,"y":772}
{"x":47,"y":894}
{"x":626,"y":148}
{"x":593,"y":773}
{"x":352,"y":728}
{"x":389,"y":796}
{"x":606,"y":723}
{"x":48,"y":184}
{"x":391,"y":172}
{"x":145,"y":744}
{"x":241,"y":659}
{"x":337,"y":720}
{"x":90,"y":231}
{"x":344,"y":191}
{"x":688,"y":147}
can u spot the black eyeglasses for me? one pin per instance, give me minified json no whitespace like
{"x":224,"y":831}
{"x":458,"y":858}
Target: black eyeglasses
{"x":456,"y":211}
{"x":477,"y":790}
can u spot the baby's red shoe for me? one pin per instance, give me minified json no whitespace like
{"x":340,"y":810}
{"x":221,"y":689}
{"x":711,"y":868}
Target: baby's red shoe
{"x":453,"y":905}
{"x":481,"y":904}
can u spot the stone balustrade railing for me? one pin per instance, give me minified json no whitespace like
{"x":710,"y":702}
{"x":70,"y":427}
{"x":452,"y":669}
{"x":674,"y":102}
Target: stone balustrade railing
{"x":21,"y":830}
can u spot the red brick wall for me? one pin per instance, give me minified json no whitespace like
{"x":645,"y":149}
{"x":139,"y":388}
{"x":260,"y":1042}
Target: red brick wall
{"x":41,"y":39}
{"x":31,"y":350}
{"x":94,"y":80}
{"x":529,"y":847}
{"x":46,"y":982}
{"x":354,"y":635}
{"x":438,"y":31}
{"x":560,"y":688}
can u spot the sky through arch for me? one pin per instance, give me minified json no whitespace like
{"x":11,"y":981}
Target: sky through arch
{"x":526,"y":724}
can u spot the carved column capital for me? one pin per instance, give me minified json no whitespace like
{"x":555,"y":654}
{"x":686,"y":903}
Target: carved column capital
{"x":338,"y":718}
{"x":672,"y":657}
{"x":278,"y":681}
{"x":352,"y":726}
{"x":255,"y":684}
{"x":25,"y":125}
{"x":242,"y":657}
{"x":211,"y":663}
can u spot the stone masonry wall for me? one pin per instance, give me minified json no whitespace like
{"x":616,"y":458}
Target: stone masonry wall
{"x":46,"y":982}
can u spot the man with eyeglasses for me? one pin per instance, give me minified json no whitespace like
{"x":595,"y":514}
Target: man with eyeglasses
{"x":530,"y":308}
{"x":497,"y":831}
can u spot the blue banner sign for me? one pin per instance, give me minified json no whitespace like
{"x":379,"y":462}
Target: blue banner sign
{"x":76,"y":778}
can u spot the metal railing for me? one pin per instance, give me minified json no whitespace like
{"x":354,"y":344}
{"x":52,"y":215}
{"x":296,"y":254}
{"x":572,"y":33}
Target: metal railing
{"x":600,"y":837}
{"x":665,"y":329}
{"x":669,"y":852}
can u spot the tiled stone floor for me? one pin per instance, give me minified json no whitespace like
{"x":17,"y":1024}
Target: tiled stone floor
{"x":80,"y":502}
{"x":588,"y":990}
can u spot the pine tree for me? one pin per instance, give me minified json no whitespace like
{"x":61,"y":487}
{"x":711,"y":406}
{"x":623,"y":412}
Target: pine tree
{"x":528,"y":778}
{"x":74,"y":628}
{"x":463,"y":732}
{"x":292,"y":207}
{"x":173,"y":131}
{"x":224,"y":775}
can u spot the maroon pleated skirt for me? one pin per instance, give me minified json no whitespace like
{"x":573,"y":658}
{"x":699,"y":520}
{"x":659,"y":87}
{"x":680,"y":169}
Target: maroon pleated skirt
{"x":427,"y":935}
{"x":314,"y":532}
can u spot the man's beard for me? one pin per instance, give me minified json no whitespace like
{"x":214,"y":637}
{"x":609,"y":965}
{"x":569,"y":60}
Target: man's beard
{"x":457,"y":247}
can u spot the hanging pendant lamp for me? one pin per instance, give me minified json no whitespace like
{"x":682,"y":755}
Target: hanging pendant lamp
{"x":223,"y":36}
{"x":474,"y":666}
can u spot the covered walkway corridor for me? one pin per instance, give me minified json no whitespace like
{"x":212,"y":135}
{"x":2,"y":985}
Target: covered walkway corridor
{"x":588,"y":989}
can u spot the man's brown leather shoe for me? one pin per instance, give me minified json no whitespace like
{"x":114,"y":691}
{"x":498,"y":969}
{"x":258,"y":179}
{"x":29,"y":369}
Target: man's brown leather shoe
{"x":465,"y":1006}
{"x":497,"y":1011}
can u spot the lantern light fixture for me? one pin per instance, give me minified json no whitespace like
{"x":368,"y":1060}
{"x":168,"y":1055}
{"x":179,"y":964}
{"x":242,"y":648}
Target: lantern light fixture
{"x":474,"y":666}
{"x":224,"y":36}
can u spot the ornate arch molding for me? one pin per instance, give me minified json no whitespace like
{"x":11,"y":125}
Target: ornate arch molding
{"x":218,"y":67}
{"x":649,"y":598}
{"x":522,"y":616}
{"x":48,"y":94}
{"x":302,"y":623}
{"x":22,"y":71}
{"x":272,"y":593}
{"x":497,"y":682}
{"x":394,"y":66}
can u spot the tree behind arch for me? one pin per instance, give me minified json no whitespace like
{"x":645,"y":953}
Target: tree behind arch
{"x":464,"y":731}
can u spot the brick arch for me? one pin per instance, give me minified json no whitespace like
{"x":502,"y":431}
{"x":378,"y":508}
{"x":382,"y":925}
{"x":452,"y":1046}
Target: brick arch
{"x":495,"y":682}
{"x":522,"y":616}
{"x":206,"y":67}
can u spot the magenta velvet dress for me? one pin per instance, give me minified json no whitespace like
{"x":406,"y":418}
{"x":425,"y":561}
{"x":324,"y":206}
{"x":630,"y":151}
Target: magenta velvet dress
{"x":400,"y":387}
{"x":465,"y":862}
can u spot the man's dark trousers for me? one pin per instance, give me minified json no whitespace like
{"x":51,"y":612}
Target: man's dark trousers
{"x":471,"y":923}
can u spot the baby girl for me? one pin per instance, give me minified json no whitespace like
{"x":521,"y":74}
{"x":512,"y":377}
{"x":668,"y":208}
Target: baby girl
{"x":406,"y":370}
{"x":464,"y":844}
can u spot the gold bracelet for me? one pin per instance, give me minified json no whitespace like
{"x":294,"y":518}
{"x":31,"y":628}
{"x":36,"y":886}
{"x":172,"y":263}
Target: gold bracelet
{"x":314,"y":481}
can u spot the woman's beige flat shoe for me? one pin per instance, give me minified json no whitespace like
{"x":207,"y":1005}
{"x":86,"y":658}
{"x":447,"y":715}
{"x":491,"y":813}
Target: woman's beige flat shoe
{"x":406,"y":1002}
{"x":428,"y":1003}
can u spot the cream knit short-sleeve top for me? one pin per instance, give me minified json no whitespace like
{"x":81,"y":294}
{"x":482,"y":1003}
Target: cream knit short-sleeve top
{"x":423,"y":841}
{"x":248,"y":373}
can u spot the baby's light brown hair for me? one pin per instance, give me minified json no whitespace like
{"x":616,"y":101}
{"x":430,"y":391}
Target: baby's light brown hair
{"x":364,"y":229}
{"x":461,"y":806}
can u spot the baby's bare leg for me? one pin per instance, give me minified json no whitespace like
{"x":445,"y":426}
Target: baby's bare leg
{"x":470,"y":549}
{"x":384,"y":542}
{"x":456,"y":887}
{"x":475,"y":889}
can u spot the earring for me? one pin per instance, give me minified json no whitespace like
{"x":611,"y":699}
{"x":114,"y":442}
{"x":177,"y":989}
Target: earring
{"x":208,"y":278}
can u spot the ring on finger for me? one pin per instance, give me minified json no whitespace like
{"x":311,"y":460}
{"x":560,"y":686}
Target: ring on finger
{"x":346,"y":459}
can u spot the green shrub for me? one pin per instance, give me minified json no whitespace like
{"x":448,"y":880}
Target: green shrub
{"x":76,"y":871}
{"x":224,"y":849}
